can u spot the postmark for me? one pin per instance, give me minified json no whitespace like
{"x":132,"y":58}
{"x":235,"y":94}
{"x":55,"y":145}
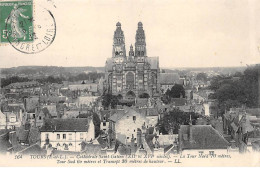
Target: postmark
{"x":41,"y":31}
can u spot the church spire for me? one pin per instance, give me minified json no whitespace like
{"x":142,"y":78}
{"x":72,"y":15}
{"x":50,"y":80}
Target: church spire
{"x":140,"y":45}
{"x":119,"y":42}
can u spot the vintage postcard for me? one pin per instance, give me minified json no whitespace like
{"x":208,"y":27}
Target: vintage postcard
{"x":120,"y":83}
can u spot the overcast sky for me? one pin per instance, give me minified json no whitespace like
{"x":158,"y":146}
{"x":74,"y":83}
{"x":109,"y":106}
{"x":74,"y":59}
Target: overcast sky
{"x":183,"y":33}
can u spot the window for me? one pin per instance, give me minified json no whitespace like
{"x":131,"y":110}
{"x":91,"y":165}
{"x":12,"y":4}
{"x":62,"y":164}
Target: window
{"x":46,"y":136}
{"x":70,"y":136}
{"x":40,"y":118}
{"x":70,"y":144}
{"x":134,"y":118}
{"x":127,"y":137}
{"x":58,"y":144}
{"x":12,"y":119}
{"x":58,"y":136}
{"x":104,"y":123}
{"x":64,"y":136}
{"x":81,"y":135}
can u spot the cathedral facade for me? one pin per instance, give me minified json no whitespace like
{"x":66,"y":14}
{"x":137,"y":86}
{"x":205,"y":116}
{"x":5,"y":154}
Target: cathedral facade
{"x":133,"y":75}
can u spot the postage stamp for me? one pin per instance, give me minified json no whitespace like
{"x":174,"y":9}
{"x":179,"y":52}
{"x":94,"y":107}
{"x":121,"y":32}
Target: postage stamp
{"x":16,"y":21}
{"x":27,"y":27}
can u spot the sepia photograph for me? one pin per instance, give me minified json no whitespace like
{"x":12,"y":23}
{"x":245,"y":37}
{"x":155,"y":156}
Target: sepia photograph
{"x":129,"y":83}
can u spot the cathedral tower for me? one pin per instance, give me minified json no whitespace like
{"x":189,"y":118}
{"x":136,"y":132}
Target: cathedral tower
{"x":140,"y":45}
{"x":119,"y":42}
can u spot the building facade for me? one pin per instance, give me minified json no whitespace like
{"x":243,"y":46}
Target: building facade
{"x":67,"y":134}
{"x":132,"y":75}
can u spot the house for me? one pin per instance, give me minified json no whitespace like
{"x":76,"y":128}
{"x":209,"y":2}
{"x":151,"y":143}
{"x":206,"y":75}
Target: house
{"x":31,"y":103}
{"x":52,"y":110}
{"x":151,"y":114}
{"x":42,"y":115}
{"x":194,"y":138}
{"x":199,"y":98}
{"x":123,"y":126}
{"x":90,"y":89}
{"x":68,"y":114}
{"x":85,"y":101}
{"x":15,"y":115}
{"x":31,"y":87}
{"x":238,"y":123}
{"x":67,"y":134}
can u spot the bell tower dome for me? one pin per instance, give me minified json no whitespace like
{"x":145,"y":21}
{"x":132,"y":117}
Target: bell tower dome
{"x":140,"y":44}
{"x":119,"y":42}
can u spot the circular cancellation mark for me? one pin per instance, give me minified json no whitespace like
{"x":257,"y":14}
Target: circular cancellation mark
{"x":42,"y":33}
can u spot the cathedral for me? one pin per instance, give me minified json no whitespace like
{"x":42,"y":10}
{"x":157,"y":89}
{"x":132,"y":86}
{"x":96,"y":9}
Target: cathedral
{"x":134,"y":75}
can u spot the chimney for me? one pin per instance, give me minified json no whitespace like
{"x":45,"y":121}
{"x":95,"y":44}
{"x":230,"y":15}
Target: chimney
{"x":190,"y":133}
{"x":139,"y":137}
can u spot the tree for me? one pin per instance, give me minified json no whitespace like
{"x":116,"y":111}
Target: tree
{"x":176,"y":91}
{"x":6,"y":81}
{"x":232,"y":92}
{"x":173,"y":119}
{"x":109,"y":100}
{"x":202,"y":77}
{"x":96,"y":122}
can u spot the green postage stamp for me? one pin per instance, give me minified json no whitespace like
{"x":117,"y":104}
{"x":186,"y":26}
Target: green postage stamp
{"x":16,"y":21}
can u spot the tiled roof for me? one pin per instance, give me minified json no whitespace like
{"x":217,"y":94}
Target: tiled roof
{"x":52,"y":99}
{"x":23,"y":135}
{"x":169,"y":78}
{"x":201,"y":137}
{"x":148,"y":111}
{"x":34,"y":149}
{"x":15,"y":107}
{"x":254,"y":111}
{"x":117,"y":116}
{"x":65,"y":125}
{"x":52,"y":110}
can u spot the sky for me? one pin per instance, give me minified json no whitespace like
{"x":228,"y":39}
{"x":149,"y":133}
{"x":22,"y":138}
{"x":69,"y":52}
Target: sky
{"x":182,"y":33}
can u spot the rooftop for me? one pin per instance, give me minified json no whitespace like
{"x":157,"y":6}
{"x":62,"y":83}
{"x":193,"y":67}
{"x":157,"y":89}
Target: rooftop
{"x":201,"y":137}
{"x":66,"y":125}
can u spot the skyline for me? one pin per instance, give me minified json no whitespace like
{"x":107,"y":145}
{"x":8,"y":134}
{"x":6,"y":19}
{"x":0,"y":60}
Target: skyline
{"x":183,"y":34}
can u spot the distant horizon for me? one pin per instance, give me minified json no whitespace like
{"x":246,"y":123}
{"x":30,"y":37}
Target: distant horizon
{"x":188,"y":67}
